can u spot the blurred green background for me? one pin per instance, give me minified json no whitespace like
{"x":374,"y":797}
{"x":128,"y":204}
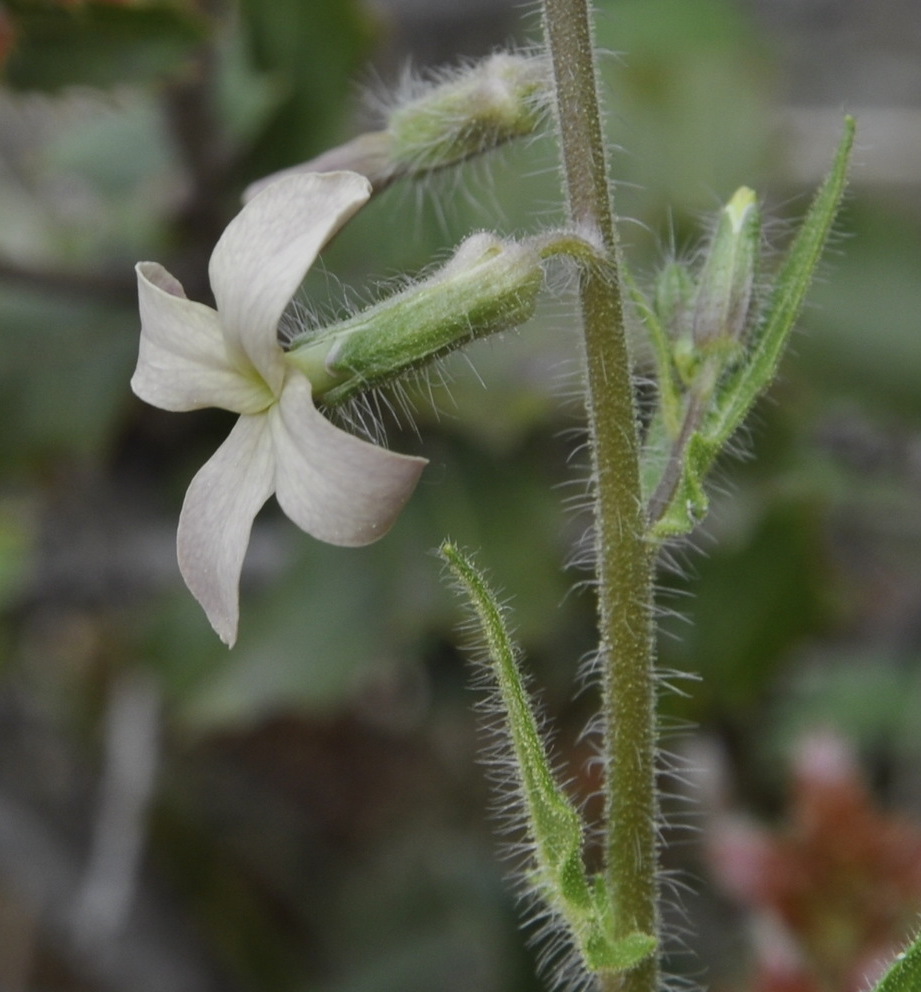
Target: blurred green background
{"x":306,"y":813}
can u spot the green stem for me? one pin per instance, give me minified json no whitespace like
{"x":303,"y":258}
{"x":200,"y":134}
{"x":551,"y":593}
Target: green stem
{"x":623,"y":558}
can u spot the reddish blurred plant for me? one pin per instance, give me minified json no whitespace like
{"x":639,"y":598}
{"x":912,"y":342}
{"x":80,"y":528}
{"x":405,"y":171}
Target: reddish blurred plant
{"x":835,"y":891}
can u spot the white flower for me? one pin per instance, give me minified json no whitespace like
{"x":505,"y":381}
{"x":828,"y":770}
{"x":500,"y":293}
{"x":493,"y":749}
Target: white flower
{"x":331,"y":484}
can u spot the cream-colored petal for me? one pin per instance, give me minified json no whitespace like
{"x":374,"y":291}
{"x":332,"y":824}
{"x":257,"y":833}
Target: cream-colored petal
{"x":182,"y":359}
{"x":265,"y":252}
{"x":369,"y":154}
{"x":217,"y":516}
{"x":331,"y":484}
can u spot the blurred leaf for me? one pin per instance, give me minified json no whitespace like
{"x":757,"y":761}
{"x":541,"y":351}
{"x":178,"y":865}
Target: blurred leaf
{"x":16,"y":539}
{"x":870,"y":697}
{"x":863,"y":339}
{"x":64,"y":371}
{"x":755,"y":597}
{"x":98,"y":44}
{"x":688,"y":99}
{"x":429,"y":911}
{"x":306,"y":643}
{"x":246,"y":97}
{"x":113,"y":148}
{"x":311,"y":50}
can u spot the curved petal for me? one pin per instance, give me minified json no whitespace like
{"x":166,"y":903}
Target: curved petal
{"x":217,"y":516}
{"x":335,"y":486}
{"x":182,"y":359}
{"x":266,"y":250}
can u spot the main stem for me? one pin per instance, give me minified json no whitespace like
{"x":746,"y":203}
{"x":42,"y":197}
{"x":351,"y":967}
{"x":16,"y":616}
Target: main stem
{"x":623,"y":556}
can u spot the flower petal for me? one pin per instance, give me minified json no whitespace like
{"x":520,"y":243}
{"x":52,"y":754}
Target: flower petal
{"x":217,"y":516}
{"x":182,"y":360}
{"x":265,"y":252}
{"x":331,"y":484}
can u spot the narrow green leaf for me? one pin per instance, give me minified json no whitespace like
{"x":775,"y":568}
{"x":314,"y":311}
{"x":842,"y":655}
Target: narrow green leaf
{"x":553,"y":821}
{"x":554,"y":825}
{"x":905,"y":973}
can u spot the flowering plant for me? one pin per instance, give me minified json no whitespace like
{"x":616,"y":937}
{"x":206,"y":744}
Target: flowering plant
{"x":717,"y":331}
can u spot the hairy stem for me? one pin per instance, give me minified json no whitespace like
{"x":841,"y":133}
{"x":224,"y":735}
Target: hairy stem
{"x":623,"y":558}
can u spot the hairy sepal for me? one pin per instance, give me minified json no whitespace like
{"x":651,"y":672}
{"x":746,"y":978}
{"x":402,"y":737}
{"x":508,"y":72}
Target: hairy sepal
{"x":480,"y":107}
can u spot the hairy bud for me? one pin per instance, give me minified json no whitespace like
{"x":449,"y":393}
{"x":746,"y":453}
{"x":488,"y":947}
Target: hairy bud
{"x":453,"y":118}
{"x":490,"y":285}
{"x":726,"y":284}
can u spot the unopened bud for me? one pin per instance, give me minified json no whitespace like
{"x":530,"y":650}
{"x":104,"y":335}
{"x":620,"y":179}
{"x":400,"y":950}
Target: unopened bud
{"x":490,"y":285}
{"x":501,"y":98}
{"x":727,"y":279}
{"x":477,"y":108}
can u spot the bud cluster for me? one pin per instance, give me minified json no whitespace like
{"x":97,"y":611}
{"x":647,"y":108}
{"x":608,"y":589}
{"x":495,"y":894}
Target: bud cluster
{"x":718,"y":342}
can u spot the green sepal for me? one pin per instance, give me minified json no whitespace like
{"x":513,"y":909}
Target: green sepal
{"x":904,"y":975}
{"x":555,"y":828}
{"x":490,"y":285}
{"x":657,"y":319}
{"x":486,"y":104}
{"x":676,"y":290}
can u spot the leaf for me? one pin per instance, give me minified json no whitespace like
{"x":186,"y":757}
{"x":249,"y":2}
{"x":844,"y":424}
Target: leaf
{"x":905,"y":973}
{"x":64,"y":366}
{"x":555,"y":827}
{"x":690,"y":502}
{"x":311,"y":51}
{"x":98,"y":44}
{"x":306,"y":646}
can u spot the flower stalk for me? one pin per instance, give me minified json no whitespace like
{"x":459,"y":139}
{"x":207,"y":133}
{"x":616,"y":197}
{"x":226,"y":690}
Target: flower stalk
{"x":624,"y":560}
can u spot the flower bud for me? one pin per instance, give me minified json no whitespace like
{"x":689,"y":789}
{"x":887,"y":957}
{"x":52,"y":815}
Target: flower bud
{"x":490,"y":285}
{"x":726,"y":283}
{"x":501,"y":98}
{"x":480,"y":107}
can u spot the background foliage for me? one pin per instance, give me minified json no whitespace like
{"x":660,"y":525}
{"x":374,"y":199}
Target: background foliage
{"x":315,"y":815}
